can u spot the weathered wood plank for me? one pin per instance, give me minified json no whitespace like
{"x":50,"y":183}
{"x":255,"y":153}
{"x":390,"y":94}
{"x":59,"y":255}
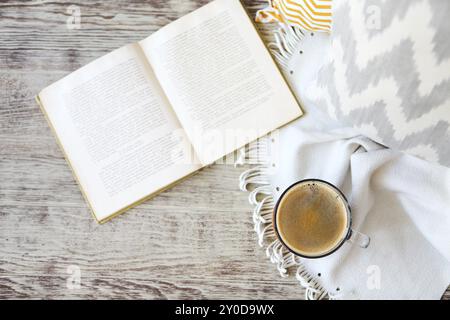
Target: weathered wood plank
{"x":193,"y":241}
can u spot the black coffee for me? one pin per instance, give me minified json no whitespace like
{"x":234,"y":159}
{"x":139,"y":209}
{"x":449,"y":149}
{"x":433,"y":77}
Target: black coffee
{"x":312,"y":218}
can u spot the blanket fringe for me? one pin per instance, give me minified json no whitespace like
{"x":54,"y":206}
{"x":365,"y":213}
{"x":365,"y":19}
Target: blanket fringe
{"x":256,"y":181}
{"x":286,"y":40}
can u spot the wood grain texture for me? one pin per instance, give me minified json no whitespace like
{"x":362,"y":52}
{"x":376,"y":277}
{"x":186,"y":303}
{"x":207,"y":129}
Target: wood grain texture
{"x":193,"y":241}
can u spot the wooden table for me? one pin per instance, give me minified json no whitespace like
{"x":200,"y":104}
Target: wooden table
{"x":193,"y":241}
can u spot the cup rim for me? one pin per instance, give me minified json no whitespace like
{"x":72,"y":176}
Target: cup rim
{"x":349,"y":218}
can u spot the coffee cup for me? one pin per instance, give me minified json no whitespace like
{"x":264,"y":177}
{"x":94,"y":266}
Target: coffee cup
{"x":312,"y":218}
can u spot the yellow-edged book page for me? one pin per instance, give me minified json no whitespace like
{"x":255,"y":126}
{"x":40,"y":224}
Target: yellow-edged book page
{"x":220,"y":79}
{"x":118,"y":131}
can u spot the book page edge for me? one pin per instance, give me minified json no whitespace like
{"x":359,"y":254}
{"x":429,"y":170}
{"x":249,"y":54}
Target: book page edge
{"x":147,"y":197}
{"x":302,"y":112}
{"x":83,"y":192}
{"x":58,"y":141}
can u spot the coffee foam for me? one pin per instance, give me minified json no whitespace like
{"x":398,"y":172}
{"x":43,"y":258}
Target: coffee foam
{"x":312,"y":218}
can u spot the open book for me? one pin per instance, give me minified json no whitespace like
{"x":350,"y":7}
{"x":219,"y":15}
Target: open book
{"x":144,"y":116}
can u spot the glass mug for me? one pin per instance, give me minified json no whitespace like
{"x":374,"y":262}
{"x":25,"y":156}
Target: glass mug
{"x":312,"y":219}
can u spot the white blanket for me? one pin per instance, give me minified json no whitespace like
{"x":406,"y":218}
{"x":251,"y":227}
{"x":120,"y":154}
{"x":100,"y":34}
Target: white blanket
{"x":401,"y":202}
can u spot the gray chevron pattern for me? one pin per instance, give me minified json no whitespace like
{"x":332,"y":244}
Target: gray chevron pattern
{"x":393,"y":81}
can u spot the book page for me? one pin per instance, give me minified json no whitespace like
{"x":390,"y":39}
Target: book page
{"x":220,"y":79}
{"x":118,"y":131}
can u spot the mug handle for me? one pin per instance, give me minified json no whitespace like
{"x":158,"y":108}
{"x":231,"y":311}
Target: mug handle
{"x":359,"y":239}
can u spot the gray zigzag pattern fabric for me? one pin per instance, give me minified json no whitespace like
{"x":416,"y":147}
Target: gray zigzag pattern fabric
{"x":390,"y":73}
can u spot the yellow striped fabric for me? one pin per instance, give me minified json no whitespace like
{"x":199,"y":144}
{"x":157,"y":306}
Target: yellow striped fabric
{"x":311,"y":15}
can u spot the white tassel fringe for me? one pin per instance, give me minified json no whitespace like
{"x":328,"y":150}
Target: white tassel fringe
{"x":256,"y":180}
